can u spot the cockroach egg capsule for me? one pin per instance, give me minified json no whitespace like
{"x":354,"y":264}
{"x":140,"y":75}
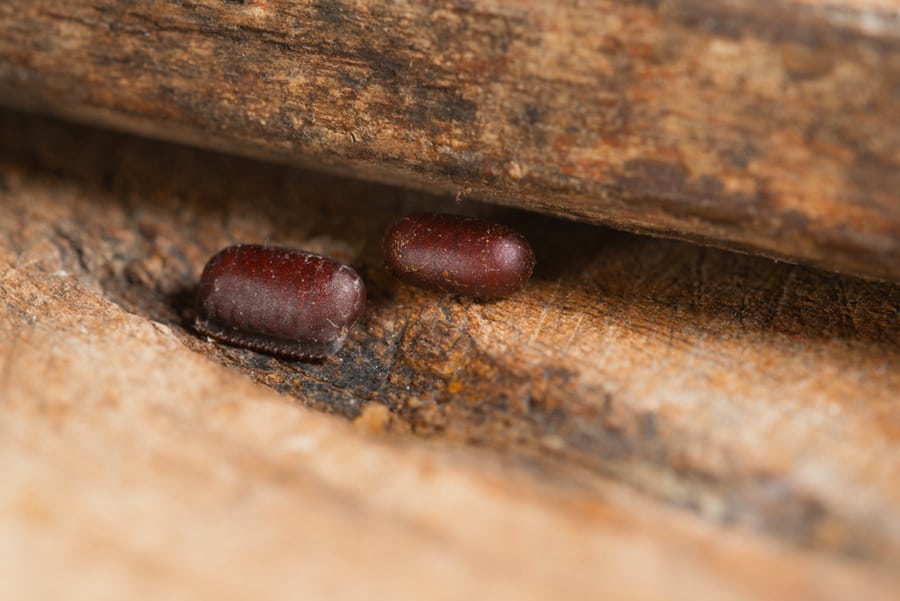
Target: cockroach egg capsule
{"x":463,"y":255}
{"x":279,"y":301}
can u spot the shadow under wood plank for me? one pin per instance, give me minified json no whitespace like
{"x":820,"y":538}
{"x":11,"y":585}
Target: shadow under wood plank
{"x":752,"y":392}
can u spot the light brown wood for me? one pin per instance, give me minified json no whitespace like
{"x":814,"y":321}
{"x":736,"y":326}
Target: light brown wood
{"x":646,"y":419}
{"x":764,"y":127}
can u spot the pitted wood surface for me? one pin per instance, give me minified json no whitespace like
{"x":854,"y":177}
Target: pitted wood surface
{"x":764,"y":127}
{"x":646,"y":419}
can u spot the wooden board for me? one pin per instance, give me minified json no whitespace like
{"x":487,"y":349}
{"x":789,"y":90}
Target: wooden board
{"x":647,"y":419}
{"x":764,"y":127}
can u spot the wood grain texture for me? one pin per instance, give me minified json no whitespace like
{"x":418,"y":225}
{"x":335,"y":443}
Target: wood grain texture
{"x":763,"y":127}
{"x":646,"y":419}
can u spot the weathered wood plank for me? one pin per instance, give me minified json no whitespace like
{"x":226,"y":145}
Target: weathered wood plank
{"x":646,"y":419}
{"x":765,"y":127}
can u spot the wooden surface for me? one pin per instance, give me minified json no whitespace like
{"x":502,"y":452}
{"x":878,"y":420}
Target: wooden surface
{"x":765,"y":127}
{"x":646,"y":420}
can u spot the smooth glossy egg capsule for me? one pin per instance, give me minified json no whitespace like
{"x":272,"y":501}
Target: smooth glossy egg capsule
{"x":280,"y":301}
{"x":463,"y":255}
